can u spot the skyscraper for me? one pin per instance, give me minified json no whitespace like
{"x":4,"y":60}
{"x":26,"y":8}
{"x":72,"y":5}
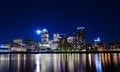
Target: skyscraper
{"x":79,"y":38}
{"x":45,"y":39}
{"x":44,"y":36}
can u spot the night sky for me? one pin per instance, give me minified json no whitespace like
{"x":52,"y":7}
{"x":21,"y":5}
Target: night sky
{"x":20,"y":18}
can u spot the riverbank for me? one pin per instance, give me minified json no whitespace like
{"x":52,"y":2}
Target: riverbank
{"x":8,"y":52}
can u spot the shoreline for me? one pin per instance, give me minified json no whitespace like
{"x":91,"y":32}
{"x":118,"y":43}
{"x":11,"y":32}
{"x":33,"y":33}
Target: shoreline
{"x":88,"y":52}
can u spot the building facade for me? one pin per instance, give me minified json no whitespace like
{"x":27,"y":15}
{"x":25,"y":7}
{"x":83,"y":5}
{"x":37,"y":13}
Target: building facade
{"x":79,"y":38}
{"x":45,"y":39}
{"x":44,"y":36}
{"x":56,"y":37}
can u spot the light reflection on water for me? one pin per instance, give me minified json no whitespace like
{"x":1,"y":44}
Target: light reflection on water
{"x":103,"y":62}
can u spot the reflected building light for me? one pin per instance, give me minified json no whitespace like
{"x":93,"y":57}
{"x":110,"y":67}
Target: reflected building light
{"x":115,"y":58}
{"x":109,"y":57}
{"x":37,"y":66}
{"x":49,"y":62}
{"x":106,"y":58}
{"x":102,"y":58}
{"x":98,"y":63}
{"x":70,"y":63}
{"x":18,"y":62}
{"x":62,"y":64}
{"x":89,"y":55}
{"x":4,"y":64}
{"x":37,"y":62}
{"x":44,"y":63}
{"x":24,"y":61}
{"x":59,"y":59}
{"x":119,"y":56}
{"x":55,"y":65}
{"x":84,"y":58}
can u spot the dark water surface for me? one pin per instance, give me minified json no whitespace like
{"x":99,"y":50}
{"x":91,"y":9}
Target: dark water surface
{"x":60,"y":62}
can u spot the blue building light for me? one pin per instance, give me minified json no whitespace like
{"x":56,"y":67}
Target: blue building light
{"x":97,"y":40}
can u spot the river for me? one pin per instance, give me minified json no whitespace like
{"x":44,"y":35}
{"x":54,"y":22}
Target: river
{"x":103,"y":62}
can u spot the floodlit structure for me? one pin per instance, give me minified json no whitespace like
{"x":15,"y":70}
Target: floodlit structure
{"x":56,"y":37}
{"x":45,"y":39}
{"x":44,"y":36}
{"x":97,"y":41}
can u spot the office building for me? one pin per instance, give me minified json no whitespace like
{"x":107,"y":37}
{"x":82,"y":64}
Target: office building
{"x":45,"y":39}
{"x":44,"y":36}
{"x":79,"y":38}
{"x":56,"y":37}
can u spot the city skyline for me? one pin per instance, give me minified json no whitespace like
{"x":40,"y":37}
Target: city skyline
{"x":19,"y":19}
{"x":59,"y":36}
{"x":38,"y":31}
